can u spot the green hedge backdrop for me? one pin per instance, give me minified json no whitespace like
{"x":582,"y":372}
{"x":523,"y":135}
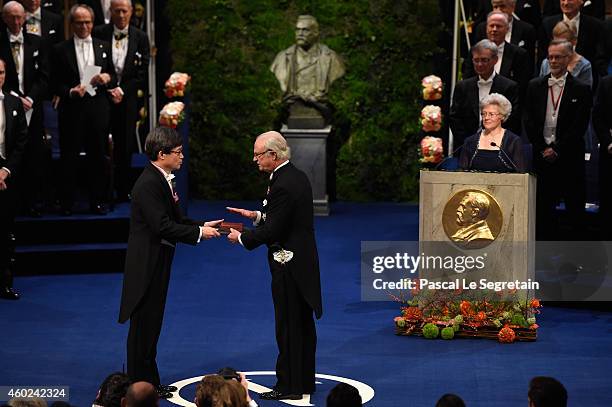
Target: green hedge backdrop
{"x":228,"y":46}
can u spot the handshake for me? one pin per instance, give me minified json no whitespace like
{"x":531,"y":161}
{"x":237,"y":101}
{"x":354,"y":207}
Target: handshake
{"x":216,"y":228}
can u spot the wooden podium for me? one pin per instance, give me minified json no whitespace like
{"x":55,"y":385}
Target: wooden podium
{"x":480,"y":214}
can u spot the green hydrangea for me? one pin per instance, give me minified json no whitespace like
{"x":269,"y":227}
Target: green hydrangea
{"x":497,"y":323}
{"x":448,"y":333}
{"x":531,"y":320}
{"x":518,"y":319}
{"x":430,"y":331}
{"x":459,"y":319}
{"x":507,"y":315}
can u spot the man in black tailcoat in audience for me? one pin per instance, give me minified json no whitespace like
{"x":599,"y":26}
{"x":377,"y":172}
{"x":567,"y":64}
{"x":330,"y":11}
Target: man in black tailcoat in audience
{"x":83,"y":118}
{"x":602,"y":123}
{"x":13,"y":139}
{"x":590,"y":35}
{"x":512,"y":62}
{"x":464,"y":117}
{"x":520,"y":33}
{"x":26,"y":78}
{"x":285,"y":226}
{"x":557,"y":111}
{"x":156,"y":226}
{"x":130,"y":55}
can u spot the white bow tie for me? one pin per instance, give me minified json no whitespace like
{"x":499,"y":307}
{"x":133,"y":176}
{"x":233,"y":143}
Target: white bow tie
{"x":36,"y":15}
{"x":483,"y":82}
{"x":559,"y":82}
{"x":169,"y":177}
{"x":16,"y":38}
{"x":81,"y":41}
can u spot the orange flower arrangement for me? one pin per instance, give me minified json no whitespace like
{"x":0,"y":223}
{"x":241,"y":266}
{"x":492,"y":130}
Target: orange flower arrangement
{"x":506,"y":335}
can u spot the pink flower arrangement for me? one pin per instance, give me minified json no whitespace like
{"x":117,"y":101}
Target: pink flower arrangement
{"x":431,"y":118}
{"x":176,"y":85}
{"x":432,"y":87}
{"x":172,"y":114}
{"x":432,"y":150}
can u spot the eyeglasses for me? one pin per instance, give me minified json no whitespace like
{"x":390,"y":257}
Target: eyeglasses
{"x":177,"y":152}
{"x":557,"y":57}
{"x":257,"y":156}
{"x":489,"y":114}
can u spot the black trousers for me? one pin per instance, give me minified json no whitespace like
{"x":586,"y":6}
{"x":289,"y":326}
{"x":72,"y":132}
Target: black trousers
{"x":562,"y":179}
{"x":296,"y":335}
{"x":146,"y":323}
{"x":84,"y":124}
{"x":8,"y":203}
{"x":123,"y":129}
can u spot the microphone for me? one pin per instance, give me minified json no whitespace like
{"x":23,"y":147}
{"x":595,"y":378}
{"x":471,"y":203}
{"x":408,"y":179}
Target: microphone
{"x":494,"y":144}
{"x":448,"y":157}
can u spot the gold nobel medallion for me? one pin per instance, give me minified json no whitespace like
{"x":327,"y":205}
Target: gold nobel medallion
{"x":472,"y":219}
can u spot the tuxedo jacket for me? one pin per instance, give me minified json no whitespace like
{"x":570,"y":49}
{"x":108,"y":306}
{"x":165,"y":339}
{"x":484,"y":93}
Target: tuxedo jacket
{"x":155,"y":220}
{"x":52,"y":27}
{"x":602,"y":115}
{"x":65,"y":70}
{"x":135,"y":70}
{"x":589,"y":45}
{"x":523,"y":36}
{"x":287,"y":223}
{"x":595,"y":8}
{"x":572,"y":120}
{"x":527,"y":10}
{"x":35,"y":73}
{"x":464,"y":117}
{"x":514,"y":66}
{"x":15,"y":132}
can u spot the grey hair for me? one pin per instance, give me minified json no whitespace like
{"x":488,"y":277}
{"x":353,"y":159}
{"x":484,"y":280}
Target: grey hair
{"x":485,"y":45}
{"x":12,"y":4}
{"x":114,"y":2}
{"x":499,"y":100}
{"x":77,"y":6}
{"x":492,"y":13}
{"x":274,"y":141}
{"x":563,"y":43}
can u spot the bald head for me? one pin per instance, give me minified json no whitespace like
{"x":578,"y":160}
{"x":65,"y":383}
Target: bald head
{"x":140,"y":394}
{"x":13,"y":15}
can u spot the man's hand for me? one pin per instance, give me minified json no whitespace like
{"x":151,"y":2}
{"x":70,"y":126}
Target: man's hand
{"x":243,"y":212}
{"x":27,"y":105}
{"x":233,"y":236}
{"x":549,"y":154}
{"x":610,"y":148}
{"x":55,"y":101}
{"x":116,"y":95}
{"x":100,"y":79}
{"x":213,"y":223}
{"x":209,"y":233}
{"x":3,"y":176}
{"x":78,"y":90}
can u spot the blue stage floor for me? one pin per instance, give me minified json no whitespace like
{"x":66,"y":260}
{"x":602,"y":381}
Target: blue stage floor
{"x":64,"y":330}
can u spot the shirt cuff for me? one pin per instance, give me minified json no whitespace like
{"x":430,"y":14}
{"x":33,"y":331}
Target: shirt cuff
{"x":7,"y":170}
{"x":257,"y":219}
{"x":201,"y":231}
{"x":30,"y":99}
{"x":253,"y":403}
{"x":240,"y":239}
{"x":120,"y":90}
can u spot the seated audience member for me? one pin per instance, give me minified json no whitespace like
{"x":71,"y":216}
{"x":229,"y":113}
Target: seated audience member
{"x":215,"y":391}
{"x":493,"y":148}
{"x":343,"y":395}
{"x":546,"y":392}
{"x":464,"y":117}
{"x":229,"y":373}
{"x":578,"y":66}
{"x":450,"y":400}
{"x":140,"y":394}
{"x":112,"y":390}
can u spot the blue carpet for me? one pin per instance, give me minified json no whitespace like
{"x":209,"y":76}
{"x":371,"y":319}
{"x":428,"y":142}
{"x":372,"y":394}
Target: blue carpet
{"x":219,"y":312}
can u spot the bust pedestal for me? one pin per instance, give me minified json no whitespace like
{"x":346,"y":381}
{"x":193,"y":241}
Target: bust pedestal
{"x":308,"y":153}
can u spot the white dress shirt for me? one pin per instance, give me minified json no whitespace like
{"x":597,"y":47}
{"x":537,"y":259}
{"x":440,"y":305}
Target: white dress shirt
{"x":33,"y":22}
{"x":18,"y":56}
{"x":84,"y":53}
{"x":500,"y":56}
{"x":119,"y":50}
{"x":575,"y":20}
{"x":550,"y":120}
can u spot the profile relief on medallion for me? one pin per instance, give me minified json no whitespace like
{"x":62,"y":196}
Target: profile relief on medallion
{"x":472,"y":214}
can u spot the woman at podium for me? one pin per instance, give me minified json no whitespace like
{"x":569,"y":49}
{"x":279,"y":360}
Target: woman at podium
{"x":493,"y":148}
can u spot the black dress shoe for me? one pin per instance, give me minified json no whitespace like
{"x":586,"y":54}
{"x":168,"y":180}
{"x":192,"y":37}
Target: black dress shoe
{"x":7,"y":293}
{"x":277,"y":395}
{"x":34,"y":212}
{"x":165,"y":387}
